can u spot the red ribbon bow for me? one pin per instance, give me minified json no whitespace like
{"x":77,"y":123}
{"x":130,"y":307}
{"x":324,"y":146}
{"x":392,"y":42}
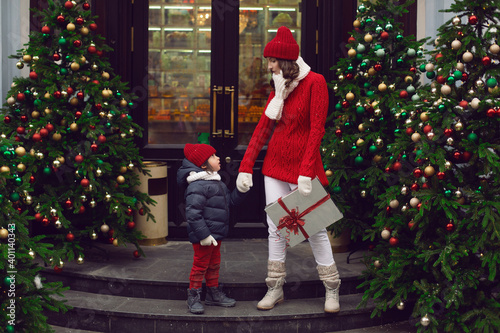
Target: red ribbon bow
{"x":293,"y":221}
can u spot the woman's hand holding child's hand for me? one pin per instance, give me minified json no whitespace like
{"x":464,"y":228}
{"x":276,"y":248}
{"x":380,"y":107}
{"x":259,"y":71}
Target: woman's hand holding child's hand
{"x":244,"y":182}
{"x":208,"y":241}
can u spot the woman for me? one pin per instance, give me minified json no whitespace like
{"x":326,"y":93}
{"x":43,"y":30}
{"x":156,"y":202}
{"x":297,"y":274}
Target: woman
{"x":295,"y":115}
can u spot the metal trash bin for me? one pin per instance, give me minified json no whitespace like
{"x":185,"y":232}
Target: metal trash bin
{"x":156,"y":186}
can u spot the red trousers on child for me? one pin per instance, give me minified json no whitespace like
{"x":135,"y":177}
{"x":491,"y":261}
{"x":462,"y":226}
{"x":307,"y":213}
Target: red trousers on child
{"x":206,"y":264}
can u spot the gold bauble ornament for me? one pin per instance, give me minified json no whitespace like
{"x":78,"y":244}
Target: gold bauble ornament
{"x":80,"y":259}
{"x":73,"y":101}
{"x":104,"y":228}
{"x":75,"y":66}
{"x":115,"y":242}
{"x":408,"y":79}
{"x":328,"y":173}
{"x":382,"y":87}
{"x":349,"y":96}
{"x":377,"y":158}
{"x":93,"y":235}
{"x":4,"y":169}
{"x":35,"y":114}
{"x":351,"y":53}
{"x":360,"y":142}
{"x":82,"y":60}
{"x":32,"y":254}
{"x":123,"y":169}
{"x":377,"y":263}
{"x":356,"y":23}
{"x":105,"y":93}
{"x":368,"y":38}
{"x":56,"y":136}
{"x":123,"y":103}
{"x":94,"y":67}
{"x":372,"y":71}
{"x":58,"y":224}
{"x":21,"y":167}
{"x":70,"y":27}
{"x":84,"y":31}
{"x":394,"y":204}
{"x":429,"y":170}
{"x":120,"y":179}
{"x":73,"y":127}
{"x":47,"y":111}
{"x":361,"y":128}
{"x":4,"y":233}
{"x":20,"y":151}
{"x":56,"y":164}
{"x":424,"y":116}
{"x":20,"y":65}
{"x":105,"y":75}
{"x":27,"y":58}
{"x":401,"y":305}
{"x":459,"y":126}
{"x":379,"y":143}
{"x":415,"y":137}
{"x":362,"y":194}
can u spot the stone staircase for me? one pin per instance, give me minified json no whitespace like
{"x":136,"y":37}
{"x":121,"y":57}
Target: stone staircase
{"x":116,"y":293}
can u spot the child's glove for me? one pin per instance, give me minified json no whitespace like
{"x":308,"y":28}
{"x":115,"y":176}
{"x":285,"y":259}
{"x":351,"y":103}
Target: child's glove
{"x":208,"y":241}
{"x":275,"y":106}
{"x":305,"y":185}
{"x":244,"y":182}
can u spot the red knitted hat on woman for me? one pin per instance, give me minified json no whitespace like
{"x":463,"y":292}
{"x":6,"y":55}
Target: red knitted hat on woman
{"x":198,"y":153}
{"x":283,"y":46}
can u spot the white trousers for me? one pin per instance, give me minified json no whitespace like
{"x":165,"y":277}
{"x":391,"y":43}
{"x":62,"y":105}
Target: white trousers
{"x":320,"y":244}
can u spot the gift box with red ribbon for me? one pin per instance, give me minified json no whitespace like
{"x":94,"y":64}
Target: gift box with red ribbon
{"x":299,"y":217}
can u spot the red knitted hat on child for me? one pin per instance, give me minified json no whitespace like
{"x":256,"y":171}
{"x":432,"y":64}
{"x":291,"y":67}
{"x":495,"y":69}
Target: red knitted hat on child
{"x":198,"y":153}
{"x":283,"y":46}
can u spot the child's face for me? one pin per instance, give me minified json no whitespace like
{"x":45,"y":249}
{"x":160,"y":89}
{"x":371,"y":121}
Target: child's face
{"x":214,"y":162}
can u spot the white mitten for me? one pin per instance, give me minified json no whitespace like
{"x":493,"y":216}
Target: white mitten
{"x":305,"y":185}
{"x":275,"y":106}
{"x":244,"y":182}
{"x":208,"y":241}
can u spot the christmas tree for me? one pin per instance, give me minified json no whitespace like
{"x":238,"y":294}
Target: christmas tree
{"x":375,"y":84}
{"x":438,"y":230}
{"x":70,"y":168}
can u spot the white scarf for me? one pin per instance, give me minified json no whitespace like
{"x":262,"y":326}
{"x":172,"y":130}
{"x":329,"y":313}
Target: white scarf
{"x":275,"y":107}
{"x":202,"y":175}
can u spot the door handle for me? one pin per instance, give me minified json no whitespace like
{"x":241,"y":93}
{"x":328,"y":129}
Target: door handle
{"x":215,"y":90}
{"x":230,"y":133}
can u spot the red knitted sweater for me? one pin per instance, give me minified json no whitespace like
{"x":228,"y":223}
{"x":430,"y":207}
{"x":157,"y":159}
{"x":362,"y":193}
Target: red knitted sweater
{"x":293,"y":150}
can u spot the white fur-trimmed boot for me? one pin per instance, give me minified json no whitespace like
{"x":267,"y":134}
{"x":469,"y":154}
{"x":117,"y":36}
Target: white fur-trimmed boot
{"x":276,"y":272}
{"x":330,"y":277}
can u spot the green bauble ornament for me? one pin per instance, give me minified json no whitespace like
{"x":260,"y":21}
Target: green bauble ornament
{"x":350,"y":69}
{"x":10,"y":329}
{"x":363,"y":65}
{"x":14,"y":197}
{"x":399,"y":37}
{"x":472,"y":137}
{"x":62,"y":41}
{"x":389,"y":27}
{"x":441,"y":107}
{"x":370,"y":93}
{"x":100,"y":162}
{"x":63,"y":71}
{"x":447,"y":193}
{"x":338,"y":107}
{"x":367,"y":85}
{"x":18,"y":181}
{"x":37,"y":102}
{"x":379,"y":29}
{"x":360,"y":110}
{"x":362,"y":8}
{"x":491,"y":82}
{"x":373,"y":149}
{"x":47,"y":171}
{"x":368,"y":21}
{"x":400,"y":62}
{"x":358,"y":160}
{"x":457,"y":75}
{"x":430,"y":75}
{"x":337,"y":189}
{"x":359,"y":56}
{"x":451,"y":80}
{"x":422,"y":68}
{"x":6,"y":281}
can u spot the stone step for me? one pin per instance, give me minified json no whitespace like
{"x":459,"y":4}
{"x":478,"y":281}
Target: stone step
{"x":109,"y":313}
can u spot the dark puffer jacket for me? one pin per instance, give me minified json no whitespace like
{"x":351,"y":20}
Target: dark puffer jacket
{"x":207,"y":204}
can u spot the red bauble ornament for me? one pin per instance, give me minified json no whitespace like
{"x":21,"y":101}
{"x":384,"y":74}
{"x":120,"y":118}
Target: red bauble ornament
{"x":491,"y":113}
{"x":457,"y":155}
{"x":57,"y":94}
{"x":351,"y":40}
{"x":32,"y":179}
{"x":466,"y":156}
{"x":425,"y":186}
{"x":78,"y":114}
{"x":111,"y":232}
{"x":403,"y":94}
{"x":17,"y":138}
{"x":81,"y":210}
{"x":93,"y":26}
{"x":49,"y":127}
{"x":397,"y":166}
{"x":80,"y":95}
{"x":393,"y":241}
{"x":441,"y":175}
{"x":414,"y":187}
{"x":141,"y":211}
{"x":56,"y":57}
{"x":419,"y":205}
{"x":6,"y":119}
{"x":427,"y":129}
{"x":55,"y":219}
{"x":20,"y":130}
{"x":100,"y":53}
{"x":57,"y":269}
{"x":448,"y":132}
{"x":384,"y":35}
{"x":92,"y":127}
{"x":387,"y":170}
{"x":45,"y":222}
{"x":131,"y":225}
{"x":378,"y":67}
{"x":60,"y":19}
{"x":21,"y":97}
{"x":409,"y":131}
{"x":68,"y":5}
{"x":92,"y":49}
{"x":465,"y":76}
{"x":473,"y":19}
{"x":70,"y":91}
{"x":77,"y":43}
{"x":486,"y":61}
{"x":98,"y":106}
{"x":450,"y":226}
{"x":136,"y":254}
{"x":78,"y":158}
{"x":101,"y":138}
{"x":37,"y":137}
{"x":33,"y":75}
{"x":86,"y":6}
{"x":93,"y":147}
{"x":70,"y":237}
{"x":38,"y":217}
{"x":417,"y":173}
{"x":338,"y":133}
{"x":129,"y":211}
{"x":85,"y":182}
{"x":95,"y":82}
{"x":411,"y":224}
{"x":45,"y":30}
{"x":345,"y":104}
{"x":349,"y":76}
{"x":440,"y":79}
{"x":79,"y":20}
{"x":463,"y":104}
{"x":413,"y":69}
{"x":24,"y":118}
{"x":43,"y":132}
{"x":438,"y":56}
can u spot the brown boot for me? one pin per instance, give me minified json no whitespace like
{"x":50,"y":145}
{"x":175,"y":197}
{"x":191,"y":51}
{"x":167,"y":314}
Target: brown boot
{"x":330,"y":277}
{"x":275,"y":280}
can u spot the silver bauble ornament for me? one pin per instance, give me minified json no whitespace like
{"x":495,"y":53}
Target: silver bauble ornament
{"x":425,"y":321}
